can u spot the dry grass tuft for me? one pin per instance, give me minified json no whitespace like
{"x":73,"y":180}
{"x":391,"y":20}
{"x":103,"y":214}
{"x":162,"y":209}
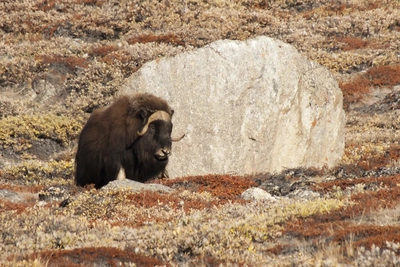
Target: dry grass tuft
{"x":338,"y":227}
{"x":103,"y":51}
{"x":353,"y":43}
{"x":71,"y":63}
{"x":387,"y":76}
{"x":35,"y":173}
{"x":16,"y":208}
{"x":107,"y":256}
{"x":164,"y":38}
{"x":19,"y":132}
{"x":225,"y":187}
{"x":370,"y":182}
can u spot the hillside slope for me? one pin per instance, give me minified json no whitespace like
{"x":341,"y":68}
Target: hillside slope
{"x":62,"y":59}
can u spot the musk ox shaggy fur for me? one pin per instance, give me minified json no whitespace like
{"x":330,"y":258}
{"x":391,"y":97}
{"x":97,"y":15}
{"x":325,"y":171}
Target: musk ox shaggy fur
{"x":133,"y":135}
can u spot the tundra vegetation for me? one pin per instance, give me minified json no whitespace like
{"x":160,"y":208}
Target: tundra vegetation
{"x":62,"y":59}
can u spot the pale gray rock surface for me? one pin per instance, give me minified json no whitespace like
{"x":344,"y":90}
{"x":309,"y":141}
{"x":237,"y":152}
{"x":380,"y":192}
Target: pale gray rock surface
{"x":247,"y":107}
{"x":10,"y":196}
{"x":135,"y":186}
{"x":255,"y":193}
{"x":55,"y":193}
{"x":304,"y":194}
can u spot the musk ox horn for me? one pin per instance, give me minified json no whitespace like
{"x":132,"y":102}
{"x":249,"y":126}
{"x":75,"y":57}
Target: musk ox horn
{"x":177,"y":139}
{"x":158,"y":115}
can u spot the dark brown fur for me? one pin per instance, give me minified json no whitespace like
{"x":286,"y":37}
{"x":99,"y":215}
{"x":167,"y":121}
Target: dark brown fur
{"x":109,"y":141}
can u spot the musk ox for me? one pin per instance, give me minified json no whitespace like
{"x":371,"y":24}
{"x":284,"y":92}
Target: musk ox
{"x":133,"y":135}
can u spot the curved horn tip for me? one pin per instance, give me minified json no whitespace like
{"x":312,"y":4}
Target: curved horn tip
{"x":178,"y":139}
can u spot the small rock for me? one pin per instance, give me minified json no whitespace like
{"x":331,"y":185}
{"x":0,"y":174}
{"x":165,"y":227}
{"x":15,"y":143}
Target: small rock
{"x":40,"y":204}
{"x":303,"y":194}
{"x":136,"y":186}
{"x":255,"y":193}
{"x":10,"y":196}
{"x":44,"y":148}
{"x":57,"y":193}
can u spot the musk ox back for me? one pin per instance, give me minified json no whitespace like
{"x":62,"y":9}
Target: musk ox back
{"x":133,"y":134}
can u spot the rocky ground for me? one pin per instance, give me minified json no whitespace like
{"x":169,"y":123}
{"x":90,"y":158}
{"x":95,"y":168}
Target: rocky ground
{"x":62,"y":59}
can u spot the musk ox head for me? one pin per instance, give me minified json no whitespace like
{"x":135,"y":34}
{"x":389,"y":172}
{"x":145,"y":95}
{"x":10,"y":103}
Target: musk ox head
{"x":132,"y":135}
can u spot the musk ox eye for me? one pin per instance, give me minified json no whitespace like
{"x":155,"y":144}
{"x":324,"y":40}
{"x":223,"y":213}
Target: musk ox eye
{"x":151,"y":129}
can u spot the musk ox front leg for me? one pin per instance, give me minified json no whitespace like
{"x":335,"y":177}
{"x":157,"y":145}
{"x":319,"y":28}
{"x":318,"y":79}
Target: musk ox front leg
{"x":94,"y":166}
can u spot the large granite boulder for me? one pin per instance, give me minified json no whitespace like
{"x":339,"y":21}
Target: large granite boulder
{"x":247,"y":107}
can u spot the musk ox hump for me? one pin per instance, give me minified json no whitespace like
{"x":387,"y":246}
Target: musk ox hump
{"x":148,"y":103}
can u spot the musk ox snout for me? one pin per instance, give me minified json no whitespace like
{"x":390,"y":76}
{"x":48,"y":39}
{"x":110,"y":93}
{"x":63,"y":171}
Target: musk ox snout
{"x":162,"y":154}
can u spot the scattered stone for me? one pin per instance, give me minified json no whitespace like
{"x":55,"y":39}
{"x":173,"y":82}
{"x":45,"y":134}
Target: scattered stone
{"x":136,"y":186}
{"x":390,"y":102}
{"x":290,"y":183}
{"x":10,"y":195}
{"x":40,"y":204}
{"x":255,"y":193}
{"x":247,"y":107}
{"x":304,"y":194}
{"x":44,"y":148}
{"x":55,"y":193}
{"x":7,"y":108}
{"x":65,"y":203}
